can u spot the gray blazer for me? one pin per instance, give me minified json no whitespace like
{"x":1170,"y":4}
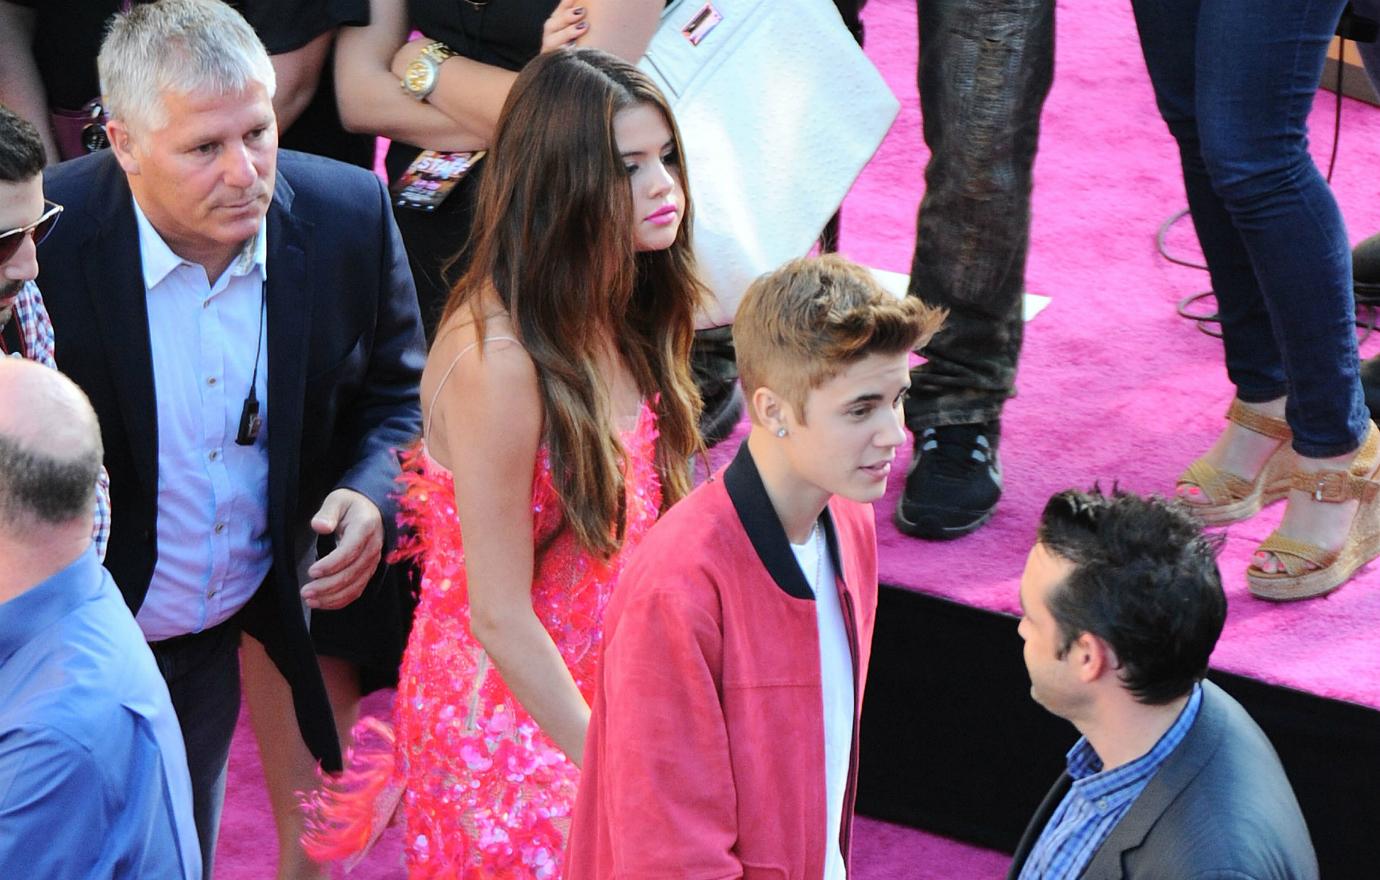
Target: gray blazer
{"x":1219,"y":807}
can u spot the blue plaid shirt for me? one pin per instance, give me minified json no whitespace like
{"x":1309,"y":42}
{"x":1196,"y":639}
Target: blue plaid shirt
{"x":1098,"y":800}
{"x":36,"y":340}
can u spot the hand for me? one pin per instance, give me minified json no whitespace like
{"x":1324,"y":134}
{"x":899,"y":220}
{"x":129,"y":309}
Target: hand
{"x":566,"y":25}
{"x":407,"y":53}
{"x":341,"y":575}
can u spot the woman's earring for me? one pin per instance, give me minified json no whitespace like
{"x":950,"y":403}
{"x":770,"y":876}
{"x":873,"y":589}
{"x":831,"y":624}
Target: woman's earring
{"x":781,"y":432}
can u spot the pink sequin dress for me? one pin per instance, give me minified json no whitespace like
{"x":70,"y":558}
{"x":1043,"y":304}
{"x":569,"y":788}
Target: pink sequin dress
{"x":484,"y":793}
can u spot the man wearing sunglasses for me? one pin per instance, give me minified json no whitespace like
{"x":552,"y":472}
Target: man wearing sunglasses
{"x":26,"y":218}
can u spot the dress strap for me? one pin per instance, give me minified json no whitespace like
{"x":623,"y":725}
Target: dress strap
{"x":445,"y":377}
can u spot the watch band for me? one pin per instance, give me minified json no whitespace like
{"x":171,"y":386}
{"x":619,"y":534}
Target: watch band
{"x":420,"y":77}
{"x":437,"y":51}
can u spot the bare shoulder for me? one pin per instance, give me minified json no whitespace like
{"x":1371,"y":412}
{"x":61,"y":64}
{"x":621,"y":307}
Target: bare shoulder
{"x":479,"y":392}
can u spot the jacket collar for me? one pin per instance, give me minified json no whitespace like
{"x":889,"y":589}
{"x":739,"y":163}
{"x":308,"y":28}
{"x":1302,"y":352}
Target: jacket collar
{"x":290,"y":301}
{"x":115,"y":287}
{"x":1174,"y":775}
{"x":745,"y":489}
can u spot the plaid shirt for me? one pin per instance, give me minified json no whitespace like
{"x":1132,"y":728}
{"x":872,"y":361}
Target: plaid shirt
{"x":36,"y":339}
{"x":1098,"y":800}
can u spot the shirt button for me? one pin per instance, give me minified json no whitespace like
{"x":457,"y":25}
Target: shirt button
{"x":211,"y":380}
{"x":214,"y":455}
{"x":205,"y":303}
{"x":220,"y":527}
{"x":1102,"y":804}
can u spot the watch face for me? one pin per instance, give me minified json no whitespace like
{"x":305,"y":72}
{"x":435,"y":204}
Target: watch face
{"x":419,"y":77}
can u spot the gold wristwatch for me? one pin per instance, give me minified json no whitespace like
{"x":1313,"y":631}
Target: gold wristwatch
{"x":419,"y":79}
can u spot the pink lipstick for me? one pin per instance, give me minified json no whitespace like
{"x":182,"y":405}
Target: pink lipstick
{"x":663,"y":216}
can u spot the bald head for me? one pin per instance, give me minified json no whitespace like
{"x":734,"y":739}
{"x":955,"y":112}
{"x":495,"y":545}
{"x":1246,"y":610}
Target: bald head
{"x":50,"y":447}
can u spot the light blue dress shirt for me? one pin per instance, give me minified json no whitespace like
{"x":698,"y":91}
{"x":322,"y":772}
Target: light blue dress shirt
{"x":213,"y":545}
{"x":93,"y":776}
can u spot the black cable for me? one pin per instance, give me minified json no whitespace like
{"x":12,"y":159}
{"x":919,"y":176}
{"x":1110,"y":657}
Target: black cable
{"x":1337,"y":114}
{"x":1164,"y":249}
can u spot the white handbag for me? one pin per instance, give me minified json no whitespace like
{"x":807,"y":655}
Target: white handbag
{"x":779,"y":110}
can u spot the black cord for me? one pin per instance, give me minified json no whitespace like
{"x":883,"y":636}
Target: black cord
{"x":1204,"y":321}
{"x":1337,"y":114}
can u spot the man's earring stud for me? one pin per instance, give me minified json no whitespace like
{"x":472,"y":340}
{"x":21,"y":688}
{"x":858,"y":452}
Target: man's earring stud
{"x":781,"y":432}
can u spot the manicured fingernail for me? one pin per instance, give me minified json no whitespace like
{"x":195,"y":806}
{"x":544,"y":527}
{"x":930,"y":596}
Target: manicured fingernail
{"x":579,"y":10}
{"x":582,"y":25}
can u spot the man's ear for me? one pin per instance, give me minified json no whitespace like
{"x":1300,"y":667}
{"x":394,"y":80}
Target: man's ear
{"x":1093,"y":657}
{"x":122,"y":145}
{"x":769,"y":409}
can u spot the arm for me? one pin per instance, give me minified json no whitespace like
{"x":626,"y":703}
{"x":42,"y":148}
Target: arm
{"x":667,"y":770}
{"x":51,"y":807}
{"x":21,"y":89}
{"x":488,"y":424}
{"x":382,"y":417}
{"x":469,"y":95}
{"x":369,"y":94}
{"x":474,"y":93}
{"x":298,"y":73}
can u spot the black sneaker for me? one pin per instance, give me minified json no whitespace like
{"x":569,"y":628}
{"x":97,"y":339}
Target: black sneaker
{"x":953,"y":484}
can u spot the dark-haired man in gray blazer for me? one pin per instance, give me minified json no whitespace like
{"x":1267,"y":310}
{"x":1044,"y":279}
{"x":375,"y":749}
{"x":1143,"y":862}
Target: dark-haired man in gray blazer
{"x":1122,"y":604}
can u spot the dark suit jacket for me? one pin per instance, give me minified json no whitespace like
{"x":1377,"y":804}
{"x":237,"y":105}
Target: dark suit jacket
{"x":1220,"y":806}
{"x":344,"y":355}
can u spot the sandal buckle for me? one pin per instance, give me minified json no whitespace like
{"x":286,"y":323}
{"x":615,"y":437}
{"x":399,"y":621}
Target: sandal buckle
{"x":1330,"y":486}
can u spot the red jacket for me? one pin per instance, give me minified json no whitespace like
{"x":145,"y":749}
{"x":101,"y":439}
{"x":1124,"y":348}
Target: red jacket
{"x":705,"y":752}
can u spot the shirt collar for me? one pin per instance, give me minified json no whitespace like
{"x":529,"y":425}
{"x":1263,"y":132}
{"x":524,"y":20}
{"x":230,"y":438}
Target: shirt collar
{"x":1108,"y":789}
{"x":743,"y":482}
{"x":41,"y":606}
{"x":159,"y":261}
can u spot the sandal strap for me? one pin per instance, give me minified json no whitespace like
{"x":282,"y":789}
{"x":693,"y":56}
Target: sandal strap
{"x":1217,"y":485}
{"x":1259,"y":422}
{"x":1335,"y":487}
{"x":1353,"y":484}
{"x":1297,"y":557}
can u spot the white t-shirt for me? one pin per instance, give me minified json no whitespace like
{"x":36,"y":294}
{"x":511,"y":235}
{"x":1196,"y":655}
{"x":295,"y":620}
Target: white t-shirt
{"x":836,"y":676}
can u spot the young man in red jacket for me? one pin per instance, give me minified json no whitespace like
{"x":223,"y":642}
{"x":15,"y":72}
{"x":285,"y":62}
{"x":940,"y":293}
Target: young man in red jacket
{"x":723,"y":736}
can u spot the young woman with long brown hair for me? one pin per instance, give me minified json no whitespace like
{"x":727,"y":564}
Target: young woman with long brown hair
{"x":560,"y":418}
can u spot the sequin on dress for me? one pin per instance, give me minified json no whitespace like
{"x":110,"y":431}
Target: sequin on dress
{"x":484,"y":793}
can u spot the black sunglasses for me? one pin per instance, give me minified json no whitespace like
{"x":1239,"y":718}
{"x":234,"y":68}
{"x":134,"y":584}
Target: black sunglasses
{"x":10,"y":240}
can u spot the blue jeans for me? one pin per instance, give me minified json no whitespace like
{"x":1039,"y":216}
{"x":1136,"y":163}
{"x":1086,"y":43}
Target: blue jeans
{"x":1234,"y":81}
{"x":985,"y":69}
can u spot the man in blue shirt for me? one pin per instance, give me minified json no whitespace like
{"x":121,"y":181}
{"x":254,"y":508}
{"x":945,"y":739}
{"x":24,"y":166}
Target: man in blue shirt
{"x":1121,"y":605}
{"x":93,"y":776}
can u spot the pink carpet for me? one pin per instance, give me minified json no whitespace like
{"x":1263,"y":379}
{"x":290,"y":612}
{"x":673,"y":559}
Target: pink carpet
{"x":1112,"y":386}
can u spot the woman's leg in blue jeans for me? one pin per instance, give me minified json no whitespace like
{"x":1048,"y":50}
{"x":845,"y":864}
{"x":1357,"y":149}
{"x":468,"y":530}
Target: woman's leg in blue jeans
{"x":1234,"y":80}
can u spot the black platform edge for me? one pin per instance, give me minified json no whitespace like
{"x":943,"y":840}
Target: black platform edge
{"x":953,"y":744}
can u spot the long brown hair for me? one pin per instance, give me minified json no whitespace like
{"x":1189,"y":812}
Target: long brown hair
{"x":554,"y":239}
